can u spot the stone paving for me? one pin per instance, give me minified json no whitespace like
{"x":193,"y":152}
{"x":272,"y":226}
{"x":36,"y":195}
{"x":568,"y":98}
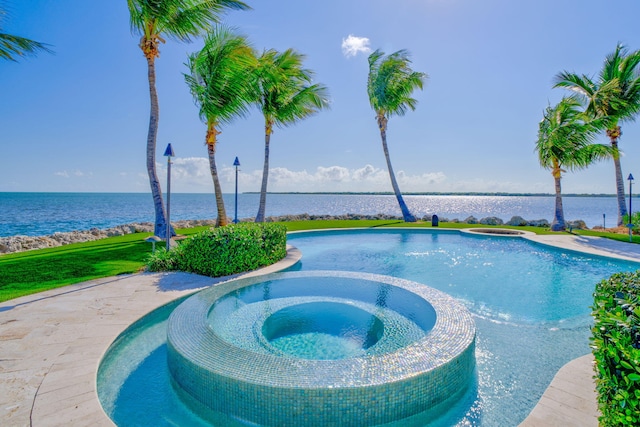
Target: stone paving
{"x":51,"y":344}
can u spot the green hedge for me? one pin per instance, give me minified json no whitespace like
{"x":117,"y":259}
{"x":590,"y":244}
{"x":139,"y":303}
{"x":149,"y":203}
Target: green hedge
{"x":616,"y":347}
{"x":225,"y":250}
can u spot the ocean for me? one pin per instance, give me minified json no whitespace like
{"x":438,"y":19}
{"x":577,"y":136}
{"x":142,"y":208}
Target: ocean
{"x":37,"y":214}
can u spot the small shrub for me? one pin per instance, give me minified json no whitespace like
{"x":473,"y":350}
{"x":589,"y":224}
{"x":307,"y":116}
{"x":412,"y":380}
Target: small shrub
{"x":226,"y":250}
{"x":616,"y":347}
{"x":635,"y":219}
{"x":161,"y":260}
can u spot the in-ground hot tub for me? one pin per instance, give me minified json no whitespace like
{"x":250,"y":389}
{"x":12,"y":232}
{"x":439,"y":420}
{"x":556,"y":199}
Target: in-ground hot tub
{"x":320,"y":348}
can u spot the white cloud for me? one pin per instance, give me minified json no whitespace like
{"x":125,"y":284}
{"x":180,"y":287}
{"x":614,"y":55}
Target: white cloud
{"x":353,"y":45}
{"x":338,"y":178}
{"x":193,"y":175}
{"x":66,"y":174}
{"x":333,"y":173}
{"x":190,"y":168}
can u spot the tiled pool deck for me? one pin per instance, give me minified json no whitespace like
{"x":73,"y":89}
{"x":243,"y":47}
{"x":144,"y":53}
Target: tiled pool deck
{"x":51,"y":344}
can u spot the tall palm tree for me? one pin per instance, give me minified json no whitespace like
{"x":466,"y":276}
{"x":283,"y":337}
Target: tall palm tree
{"x":13,"y":47}
{"x":614,"y":94}
{"x":220,"y":80}
{"x":285,"y":95}
{"x":390,"y":85}
{"x":565,"y":140}
{"x":177,"y":19}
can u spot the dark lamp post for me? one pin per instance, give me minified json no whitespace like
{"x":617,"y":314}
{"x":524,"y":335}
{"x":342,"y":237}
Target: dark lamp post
{"x":630,"y":225}
{"x":236,"y":163}
{"x":168,"y":153}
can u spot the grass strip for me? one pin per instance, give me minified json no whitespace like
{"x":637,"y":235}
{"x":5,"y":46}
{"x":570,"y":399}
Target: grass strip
{"x":29,"y":272}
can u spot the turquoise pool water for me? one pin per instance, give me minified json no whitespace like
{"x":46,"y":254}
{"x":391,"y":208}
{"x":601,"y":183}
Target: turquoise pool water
{"x":530,"y":304}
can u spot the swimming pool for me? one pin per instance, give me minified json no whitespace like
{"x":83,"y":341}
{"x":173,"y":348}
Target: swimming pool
{"x":530,"y":304}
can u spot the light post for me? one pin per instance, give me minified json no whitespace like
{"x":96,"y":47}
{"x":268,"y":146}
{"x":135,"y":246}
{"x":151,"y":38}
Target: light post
{"x":168,"y":154}
{"x":236,"y":163}
{"x":630,"y":225}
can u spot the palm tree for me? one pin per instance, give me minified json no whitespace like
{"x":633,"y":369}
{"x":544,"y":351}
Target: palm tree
{"x":284,"y":95}
{"x":565,"y":138}
{"x":181,"y":20}
{"x":614,"y":94}
{"x":12,"y":47}
{"x":220,"y":82}
{"x":390,"y":85}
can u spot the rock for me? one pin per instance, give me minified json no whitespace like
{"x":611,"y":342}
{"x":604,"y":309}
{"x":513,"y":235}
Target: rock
{"x":577,"y":224}
{"x":471,"y":220}
{"x":517,"y":221}
{"x":538,"y":223}
{"x":491,"y":220}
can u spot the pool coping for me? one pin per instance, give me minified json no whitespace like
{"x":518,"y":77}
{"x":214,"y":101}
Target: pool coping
{"x":53,"y":341}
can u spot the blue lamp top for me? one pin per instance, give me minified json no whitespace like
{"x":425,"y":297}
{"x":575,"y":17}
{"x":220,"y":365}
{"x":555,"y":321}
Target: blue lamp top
{"x":169,"y":151}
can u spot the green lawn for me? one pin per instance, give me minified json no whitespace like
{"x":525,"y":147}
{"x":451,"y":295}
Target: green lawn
{"x":34,"y":271}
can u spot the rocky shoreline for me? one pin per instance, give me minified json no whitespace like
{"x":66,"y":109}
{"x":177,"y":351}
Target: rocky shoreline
{"x":25,"y":243}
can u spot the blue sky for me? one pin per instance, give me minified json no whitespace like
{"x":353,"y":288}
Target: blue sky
{"x":77,"y":120}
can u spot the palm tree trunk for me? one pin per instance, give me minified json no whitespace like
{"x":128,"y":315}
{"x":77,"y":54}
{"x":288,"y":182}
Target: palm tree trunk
{"x":222,"y":219}
{"x":622,"y":206}
{"x":406,"y":215}
{"x":265,"y":175}
{"x":558,"y":223}
{"x":160,"y":227}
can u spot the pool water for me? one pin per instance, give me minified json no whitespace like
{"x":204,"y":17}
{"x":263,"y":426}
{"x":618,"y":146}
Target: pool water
{"x":530,"y":304}
{"x":323,"y":331}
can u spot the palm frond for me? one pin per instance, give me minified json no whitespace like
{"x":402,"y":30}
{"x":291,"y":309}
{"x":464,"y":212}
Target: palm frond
{"x":13,"y":47}
{"x":391,"y":83}
{"x":220,"y":75}
{"x":566,"y":135}
{"x":284,"y":90}
{"x":582,"y":85}
{"x":615,"y":93}
{"x":178,"y":19}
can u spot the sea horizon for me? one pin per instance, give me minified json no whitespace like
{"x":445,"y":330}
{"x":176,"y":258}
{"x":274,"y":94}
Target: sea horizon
{"x":357,"y":193}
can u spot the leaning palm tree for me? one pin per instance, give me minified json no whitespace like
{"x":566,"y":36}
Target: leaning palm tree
{"x":614,"y":94}
{"x":565,"y":140}
{"x":390,"y":85}
{"x":219,"y":80}
{"x":14,"y":47}
{"x":285,"y":95}
{"x":181,"y":20}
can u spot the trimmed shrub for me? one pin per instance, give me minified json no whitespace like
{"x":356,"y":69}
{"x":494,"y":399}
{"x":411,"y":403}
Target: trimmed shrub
{"x":616,"y":347}
{"x":163,"y":260}
{"x":223,"y":251}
